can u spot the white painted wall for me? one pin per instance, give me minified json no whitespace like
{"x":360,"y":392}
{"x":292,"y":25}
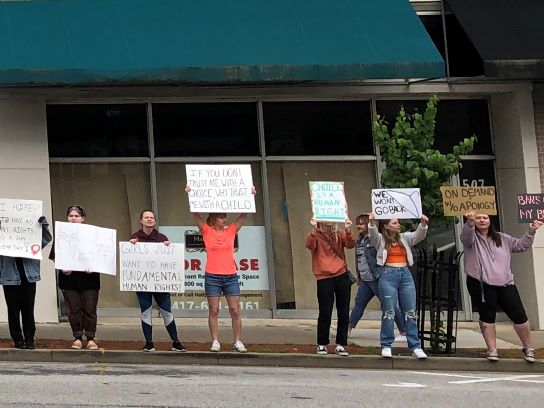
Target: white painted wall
{"x":518,"y":172}
{"x":24,"y":173}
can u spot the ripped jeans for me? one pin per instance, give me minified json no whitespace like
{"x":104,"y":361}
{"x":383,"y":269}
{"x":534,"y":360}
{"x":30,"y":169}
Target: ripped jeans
{"x":397,"y":285}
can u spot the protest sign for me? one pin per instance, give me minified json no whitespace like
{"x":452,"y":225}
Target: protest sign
{"x":530,"y":207}
{"x":224,"y":188}
{"x":20,"y":232}
{"x":151,"y":267}
{"x":328,"y":201}
{"x":401,"y":203}
{"x":83,"y":247}
{"x":460,"y":200}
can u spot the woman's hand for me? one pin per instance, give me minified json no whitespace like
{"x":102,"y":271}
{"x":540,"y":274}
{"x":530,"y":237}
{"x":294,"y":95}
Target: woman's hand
{"x":133,"y":241}
{"x":470,"y":217}
{"x":536,"y":224}
{"x":313,"y":222}
{"x":348,"y":224}
{"x":166,"y":243}
{"x":424,"y":220}
{"x":187,"y":188}
{"x":253,"y":190}
{"x":67,"y":273}
{"x":88,"y":271}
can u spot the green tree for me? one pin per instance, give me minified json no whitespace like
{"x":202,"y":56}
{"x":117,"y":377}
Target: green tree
{"x":412,"y":161}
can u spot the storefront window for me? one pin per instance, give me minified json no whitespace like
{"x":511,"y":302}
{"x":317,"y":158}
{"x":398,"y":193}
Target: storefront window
{"x":318,"y":128}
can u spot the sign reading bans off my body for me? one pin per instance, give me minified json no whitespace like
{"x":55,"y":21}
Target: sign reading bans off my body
{"x":460,"y":200}
{"x":530,"y":207}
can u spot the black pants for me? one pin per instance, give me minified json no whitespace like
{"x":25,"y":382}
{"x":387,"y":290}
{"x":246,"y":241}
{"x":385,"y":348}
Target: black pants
{"x":20,"y":303}
{"x":327,"y":290}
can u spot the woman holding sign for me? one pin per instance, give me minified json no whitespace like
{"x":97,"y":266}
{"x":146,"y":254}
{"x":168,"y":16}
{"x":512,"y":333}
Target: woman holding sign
{"x":396,"y":285}
{"x":221,"y":277}
{"x":148,"y":233}
{"x":80,"y":290}
{"x":330,"y":269}
{"x":490,"y":281}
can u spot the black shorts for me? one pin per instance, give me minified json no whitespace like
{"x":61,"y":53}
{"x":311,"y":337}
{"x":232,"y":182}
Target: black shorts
{"x":507,"y":297}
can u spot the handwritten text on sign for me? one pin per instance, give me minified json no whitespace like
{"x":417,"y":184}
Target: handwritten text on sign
{"x":460,"y":200}
{"x":220,"y":188}
{"x":402,"y":203}
{"x":530,"y":207}
{"x":328,"y":201}
{"x":83,"y":247}
{"x":20,"y":232}
{"x":152,"y":267}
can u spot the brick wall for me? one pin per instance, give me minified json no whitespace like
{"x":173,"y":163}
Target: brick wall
{"x":539,"y":130}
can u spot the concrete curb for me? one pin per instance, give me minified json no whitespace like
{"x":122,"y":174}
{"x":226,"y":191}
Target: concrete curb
{"x":270,"y":360}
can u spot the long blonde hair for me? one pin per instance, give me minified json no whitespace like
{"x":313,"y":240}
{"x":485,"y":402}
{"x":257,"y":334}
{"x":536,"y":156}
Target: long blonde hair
{"x":329,"y":231}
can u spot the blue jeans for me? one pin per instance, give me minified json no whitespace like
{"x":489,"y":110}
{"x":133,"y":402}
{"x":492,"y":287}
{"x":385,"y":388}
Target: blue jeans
{"x":396,"y":286}
{"x":365,"y":292}
{"x":217,"y":285}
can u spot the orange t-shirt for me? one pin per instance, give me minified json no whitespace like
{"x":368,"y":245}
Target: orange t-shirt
{"x":397,"y":254}
{"x":220,"y":250}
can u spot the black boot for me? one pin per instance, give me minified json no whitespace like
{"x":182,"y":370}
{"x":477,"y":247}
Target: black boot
{"x":20,"y":344}
{"x":30,"y":344}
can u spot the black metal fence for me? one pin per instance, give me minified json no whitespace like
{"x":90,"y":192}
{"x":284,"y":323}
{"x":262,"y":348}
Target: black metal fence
{"x":438,"y":298}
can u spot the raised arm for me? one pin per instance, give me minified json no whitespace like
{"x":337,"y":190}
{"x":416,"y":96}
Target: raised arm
{"x":526,"y":241}
{"x":311,"y":238}
{"x":198,"y":218}
{"x":349,"y":241}
{"x":373,"y":234}
{"x":467,"y":235}
{"x":239,"y":222}
{"x":420,"y":233}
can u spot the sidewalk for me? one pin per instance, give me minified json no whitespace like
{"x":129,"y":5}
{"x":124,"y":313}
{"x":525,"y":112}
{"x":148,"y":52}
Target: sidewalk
{"x":276,"y":342}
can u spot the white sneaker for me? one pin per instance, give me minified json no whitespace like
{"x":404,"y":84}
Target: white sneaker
{"x":322,"y":350}
{"x":341,"y":351}
{"x":239,"y":347}
{"x":400,"y":338}
{"x":419,"y":353}
{"x":386,"y":352}
{"x":216,"y":346}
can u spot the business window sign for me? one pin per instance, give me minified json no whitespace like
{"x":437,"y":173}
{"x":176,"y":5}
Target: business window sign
{"x":401,"y":203}
{"x":530,"y":207}
{"x":20,"y":232}
{"x":250,"y":257}
{"x":223,"y":188}
{"x":328,"y":201}
{"x":151,"y":267}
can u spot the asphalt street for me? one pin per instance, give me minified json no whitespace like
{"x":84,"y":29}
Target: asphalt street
{"x":100,"y":385}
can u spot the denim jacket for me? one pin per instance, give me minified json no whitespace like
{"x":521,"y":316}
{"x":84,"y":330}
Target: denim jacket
{"x":370,"y":252}
{"x":9,"y":275}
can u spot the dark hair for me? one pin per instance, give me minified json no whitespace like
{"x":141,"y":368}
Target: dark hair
{"x":362,"y":217}
{"x":495,"y":236}
{"x":79,"y":209}
{"x":212,"y":216}
{"x":144,"y":211}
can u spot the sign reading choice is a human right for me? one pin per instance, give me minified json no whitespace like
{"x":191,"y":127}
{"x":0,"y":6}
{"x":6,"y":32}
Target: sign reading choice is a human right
{"x":222,"y":188}
{"x":328,"y":201}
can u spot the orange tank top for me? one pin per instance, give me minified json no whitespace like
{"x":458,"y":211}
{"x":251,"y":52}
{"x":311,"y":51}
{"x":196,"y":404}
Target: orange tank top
{"x":396,"y":255}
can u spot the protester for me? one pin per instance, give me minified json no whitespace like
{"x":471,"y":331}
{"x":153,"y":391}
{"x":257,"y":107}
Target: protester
{"x":367,"y":278}
{"x":148,"y":233}
{"x":221,"y":276}
{"x":80,"y":290}
{"x":396,"y":285}
{"x":18,"y":276}
{"x":331,"y":271}
{"x":490,"y":281}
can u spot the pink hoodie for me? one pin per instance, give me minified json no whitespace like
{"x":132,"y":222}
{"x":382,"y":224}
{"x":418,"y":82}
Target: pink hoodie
{"x":483,"y":259}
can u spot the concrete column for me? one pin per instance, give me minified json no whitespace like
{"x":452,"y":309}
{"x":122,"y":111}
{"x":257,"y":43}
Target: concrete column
{"x":518,"y":172}
{"x":24,"y":174}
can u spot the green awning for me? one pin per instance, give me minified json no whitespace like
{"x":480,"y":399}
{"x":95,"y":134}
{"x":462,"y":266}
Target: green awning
{"x":100,"y":42}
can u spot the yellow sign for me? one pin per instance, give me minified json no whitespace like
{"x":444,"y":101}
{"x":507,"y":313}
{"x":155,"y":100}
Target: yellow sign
{"x":460,"y":200}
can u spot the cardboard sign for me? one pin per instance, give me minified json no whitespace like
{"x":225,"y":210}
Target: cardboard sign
{"x":83,"y":247}
{"x":224,"y":188}
{"x":401,"y":203}
{"x":460,"y":200}
{"x":151,"y":267}
{"x":328,"y":201}
{"x":20,"y":232}
{"x":530,"y":207}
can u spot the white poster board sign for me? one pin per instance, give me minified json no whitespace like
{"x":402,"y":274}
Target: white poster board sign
{"x":250,"y":257}
{"x":401,"y":203}
{"x":20,"y":232}
{"x":328,"y":201}
{"x":151,"y":267}
{"x":224,"y":188}
{"x":83,"y":247}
